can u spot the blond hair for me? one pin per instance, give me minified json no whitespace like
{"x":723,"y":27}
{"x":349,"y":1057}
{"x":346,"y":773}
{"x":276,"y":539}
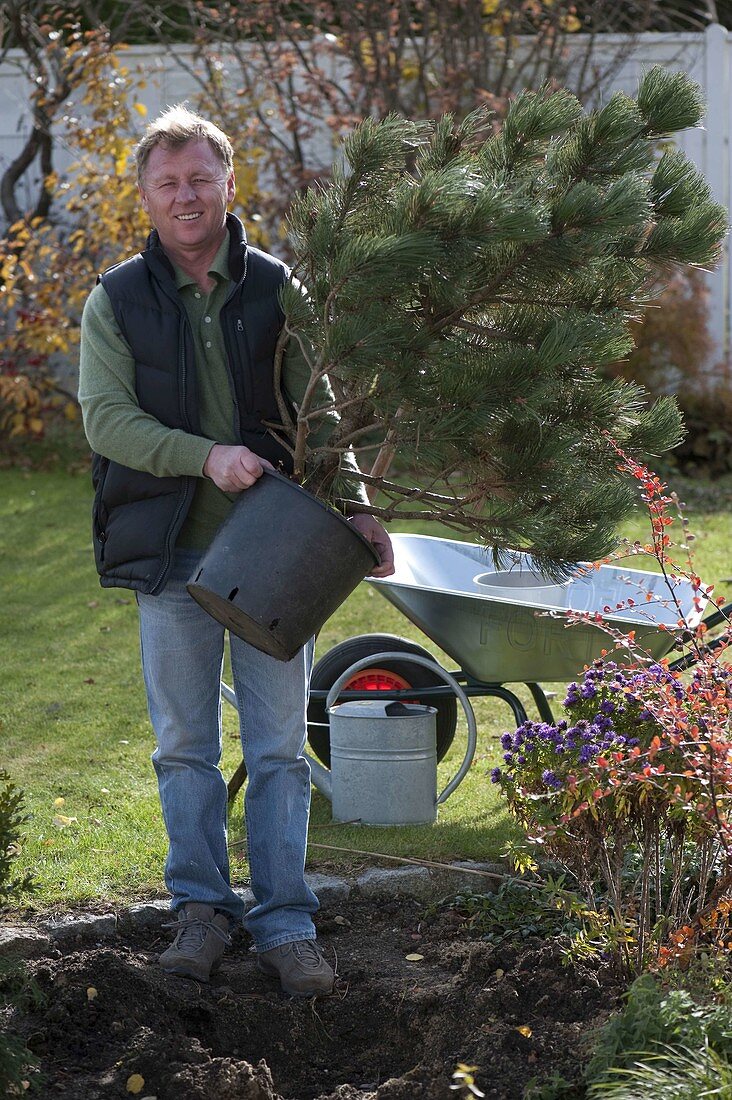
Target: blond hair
{"x":176,"y":126}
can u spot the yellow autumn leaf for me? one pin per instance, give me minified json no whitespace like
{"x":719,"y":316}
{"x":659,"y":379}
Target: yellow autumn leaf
{"x":490,"y":6}
{"x":61,"y":821}
{"x":500,"y":973}
{"x":135,"y":1083}
{"x":524,"y":1030}
{"x":414,"y":958}
{"x":570,"y":23}
{"x":140,"y":108}
{"x":91,"y":993}
{"x":59,"y":802}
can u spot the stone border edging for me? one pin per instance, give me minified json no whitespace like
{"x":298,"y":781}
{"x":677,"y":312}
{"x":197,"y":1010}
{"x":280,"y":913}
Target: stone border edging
{"x":29,"y":941}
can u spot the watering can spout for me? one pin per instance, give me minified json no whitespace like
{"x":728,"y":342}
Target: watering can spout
{"x":321,"y":777}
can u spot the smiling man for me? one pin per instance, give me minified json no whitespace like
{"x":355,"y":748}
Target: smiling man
{"x":176,"y":386}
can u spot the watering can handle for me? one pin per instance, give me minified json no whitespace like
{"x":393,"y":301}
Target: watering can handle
{"x":433,"y":666}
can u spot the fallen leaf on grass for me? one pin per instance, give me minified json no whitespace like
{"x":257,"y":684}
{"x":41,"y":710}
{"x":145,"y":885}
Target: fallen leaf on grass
{"x":59,"y":802}
{"x":91,"y":993}
{"x":61,"y":820}
{"x":93,"y":603}
{"x":414,"y":958}
{"x":524,"y":1030}
{"x":90,"y":680}
{"x":500,"y":973}
{"x":135,"y":1083}
{"x":105,"y":790}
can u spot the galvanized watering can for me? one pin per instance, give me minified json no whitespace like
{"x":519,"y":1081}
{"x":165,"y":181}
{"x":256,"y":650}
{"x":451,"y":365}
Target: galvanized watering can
{"x":383,"y":755}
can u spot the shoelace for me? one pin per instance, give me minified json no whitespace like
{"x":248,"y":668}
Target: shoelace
{"x":192,"y":933}
{"x":308,"y":953}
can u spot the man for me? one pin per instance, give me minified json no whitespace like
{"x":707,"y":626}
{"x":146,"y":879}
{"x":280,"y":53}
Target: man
{"x":176,"y":383}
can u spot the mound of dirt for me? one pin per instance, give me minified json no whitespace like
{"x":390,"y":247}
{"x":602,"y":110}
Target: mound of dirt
{"x":395,"y":1028}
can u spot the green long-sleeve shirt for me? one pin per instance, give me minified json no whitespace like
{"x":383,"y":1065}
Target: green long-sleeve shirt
{"x":119,"y":429}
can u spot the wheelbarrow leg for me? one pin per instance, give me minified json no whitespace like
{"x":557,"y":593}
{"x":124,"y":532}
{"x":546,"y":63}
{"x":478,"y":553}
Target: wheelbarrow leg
{"x":542,"y":703}
{"x":236,"y":782}
{"x":500,"y":692}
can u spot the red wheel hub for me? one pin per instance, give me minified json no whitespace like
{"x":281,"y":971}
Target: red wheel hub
{"x":376,"y":679}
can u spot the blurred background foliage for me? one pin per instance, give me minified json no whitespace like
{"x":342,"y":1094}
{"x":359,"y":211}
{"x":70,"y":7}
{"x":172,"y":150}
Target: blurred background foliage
{"x":297,"y":70}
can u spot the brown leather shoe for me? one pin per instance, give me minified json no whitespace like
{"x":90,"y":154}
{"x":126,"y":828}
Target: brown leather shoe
{"x":202,"y":935}
{"x":300,"y":966}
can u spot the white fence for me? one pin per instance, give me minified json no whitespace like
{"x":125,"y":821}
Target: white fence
{"x":707,"y":57}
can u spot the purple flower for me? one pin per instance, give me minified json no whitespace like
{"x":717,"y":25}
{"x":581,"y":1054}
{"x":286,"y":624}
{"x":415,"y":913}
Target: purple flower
{"x":607,"y":706}
{"x":496,"y":775}
{"x":507,"y":756}
{"x":549,"y":779}
{"x":506,"y":741}
{"x":588,"y":691}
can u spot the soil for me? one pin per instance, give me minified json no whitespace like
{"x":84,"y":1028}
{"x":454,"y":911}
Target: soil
{"x":394,"y":1029}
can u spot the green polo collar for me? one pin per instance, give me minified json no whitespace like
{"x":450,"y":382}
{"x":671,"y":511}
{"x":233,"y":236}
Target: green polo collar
{"x":219,"y":267}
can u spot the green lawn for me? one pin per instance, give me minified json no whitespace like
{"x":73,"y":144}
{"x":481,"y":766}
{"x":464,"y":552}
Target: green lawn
{"x":73,"y":720}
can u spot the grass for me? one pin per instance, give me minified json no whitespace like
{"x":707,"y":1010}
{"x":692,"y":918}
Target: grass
{"x":74,"y":732}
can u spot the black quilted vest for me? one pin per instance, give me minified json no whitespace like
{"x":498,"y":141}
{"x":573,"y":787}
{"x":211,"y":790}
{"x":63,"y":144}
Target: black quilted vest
{"x":137,"y":516}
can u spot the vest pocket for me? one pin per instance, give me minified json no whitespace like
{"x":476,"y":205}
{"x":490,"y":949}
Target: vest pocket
{"x":100,"y":469}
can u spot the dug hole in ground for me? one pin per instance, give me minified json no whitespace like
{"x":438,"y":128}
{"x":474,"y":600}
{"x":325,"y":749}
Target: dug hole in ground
{"x":110,"y":1023}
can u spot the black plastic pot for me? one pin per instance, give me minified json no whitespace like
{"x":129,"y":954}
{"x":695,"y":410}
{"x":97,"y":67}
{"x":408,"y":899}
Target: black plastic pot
{"x":279,"y":566}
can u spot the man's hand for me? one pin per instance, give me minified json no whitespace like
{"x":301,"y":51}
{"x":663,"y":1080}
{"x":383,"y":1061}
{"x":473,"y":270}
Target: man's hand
{"x":372,"y":530}
{"x":234,"y":468}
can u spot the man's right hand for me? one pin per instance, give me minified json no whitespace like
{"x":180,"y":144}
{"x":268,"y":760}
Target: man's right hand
{"x":234,"y":468}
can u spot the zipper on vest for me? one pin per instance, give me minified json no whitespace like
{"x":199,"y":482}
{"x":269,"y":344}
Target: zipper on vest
{"x":245,"y":374}
{"x":183,"y":371}
{"x":237,"y":364}
{"x":187,"y":493}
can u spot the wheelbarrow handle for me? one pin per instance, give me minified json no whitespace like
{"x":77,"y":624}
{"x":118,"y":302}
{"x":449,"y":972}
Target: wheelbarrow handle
{"x":433,"y":666}
{"x":688,"y":660}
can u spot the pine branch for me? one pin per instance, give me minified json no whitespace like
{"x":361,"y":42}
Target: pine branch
{"x":466,"y":292}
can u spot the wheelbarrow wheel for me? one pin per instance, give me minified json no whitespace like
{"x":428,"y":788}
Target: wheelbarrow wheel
{"x":389,"y":675}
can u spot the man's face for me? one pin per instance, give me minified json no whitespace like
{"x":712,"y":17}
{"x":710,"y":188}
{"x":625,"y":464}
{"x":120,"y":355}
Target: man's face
{"x":185,"y":191}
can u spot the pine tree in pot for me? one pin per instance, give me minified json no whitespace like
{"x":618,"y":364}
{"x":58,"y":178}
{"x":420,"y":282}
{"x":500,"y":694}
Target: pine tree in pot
{"x":463,"y":286}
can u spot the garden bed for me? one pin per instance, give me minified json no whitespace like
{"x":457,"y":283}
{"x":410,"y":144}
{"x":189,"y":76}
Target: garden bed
{"x":395,"y":1029}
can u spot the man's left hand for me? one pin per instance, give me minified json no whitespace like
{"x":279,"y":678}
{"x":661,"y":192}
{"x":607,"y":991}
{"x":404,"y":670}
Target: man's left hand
{"x":371,"y":529}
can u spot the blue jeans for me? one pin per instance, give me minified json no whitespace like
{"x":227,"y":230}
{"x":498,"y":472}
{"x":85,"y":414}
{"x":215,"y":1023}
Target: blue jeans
{"x":182,"y":660}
